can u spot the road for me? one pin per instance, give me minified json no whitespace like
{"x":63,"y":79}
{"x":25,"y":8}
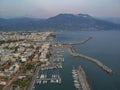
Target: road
{"x":8,"y":86}
{"x":31,"y":86}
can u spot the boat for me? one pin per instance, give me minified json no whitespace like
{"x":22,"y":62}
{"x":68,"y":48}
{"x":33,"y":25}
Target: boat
{"x":75,"y":81}
{"x":59,"y":80}
{"x":42,"y":76}
{"x":37,"y":77}
{"x":45,"y":81}
{"x":40,"y":82}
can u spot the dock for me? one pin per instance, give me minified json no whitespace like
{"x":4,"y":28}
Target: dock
{"x":51,"y":66}
{"x":44,"y":79}
{"x":100,"y":64}
{"x":80,"y":79}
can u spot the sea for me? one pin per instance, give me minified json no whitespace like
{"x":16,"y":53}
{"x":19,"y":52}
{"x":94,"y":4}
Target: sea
{"x":104,"y":46}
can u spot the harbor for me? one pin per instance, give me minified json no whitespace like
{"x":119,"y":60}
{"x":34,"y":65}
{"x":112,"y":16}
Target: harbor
{"x":99,"y":79}
{"x":49,"y":73}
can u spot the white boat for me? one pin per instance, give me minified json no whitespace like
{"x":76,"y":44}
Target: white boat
{"x":42,"y":76}
{"x":44,"y":82}
{"x":40,"y":82}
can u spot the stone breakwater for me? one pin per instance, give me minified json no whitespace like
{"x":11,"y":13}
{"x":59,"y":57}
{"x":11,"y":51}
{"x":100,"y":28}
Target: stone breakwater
{"x":100,"y":64}
{"x":81,"y":81}
{"x":78,"y":43}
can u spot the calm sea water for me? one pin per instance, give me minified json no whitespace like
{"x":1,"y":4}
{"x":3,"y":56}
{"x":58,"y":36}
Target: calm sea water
{"x":104,"y":46}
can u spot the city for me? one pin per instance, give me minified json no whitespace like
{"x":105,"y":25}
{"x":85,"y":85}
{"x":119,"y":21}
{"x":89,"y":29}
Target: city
{"x":59,"y":45}
{"x":26,"y":58}
{"x":20,"y":54}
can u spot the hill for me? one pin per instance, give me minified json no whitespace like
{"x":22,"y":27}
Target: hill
{"x":59,"y":22}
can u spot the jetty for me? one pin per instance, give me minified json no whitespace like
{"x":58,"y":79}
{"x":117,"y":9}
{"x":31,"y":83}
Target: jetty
{"x":80,"y":79}
{"x":100,"y":64}
{"x":78,"y":43}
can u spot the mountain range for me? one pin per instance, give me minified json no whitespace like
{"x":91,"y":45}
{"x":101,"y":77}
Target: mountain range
{"x":58,"y":22}
{"x":112,"y":19}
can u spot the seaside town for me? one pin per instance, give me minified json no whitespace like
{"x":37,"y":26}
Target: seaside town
{"x":20,"y":54}
{"x":59,"y":45}
{"x":30,"y":59}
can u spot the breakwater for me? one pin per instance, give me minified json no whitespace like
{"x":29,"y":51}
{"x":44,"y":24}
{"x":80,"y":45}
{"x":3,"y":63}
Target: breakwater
{"x":81,"y":81}
{"x":100,"y":64}
{"x":78,"y":43}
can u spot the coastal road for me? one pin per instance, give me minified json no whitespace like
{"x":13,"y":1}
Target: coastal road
{"x":8,"y":86}
{"x":31,"y":86}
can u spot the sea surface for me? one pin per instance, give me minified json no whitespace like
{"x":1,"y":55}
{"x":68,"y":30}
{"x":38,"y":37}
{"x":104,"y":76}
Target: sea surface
{"x":104,"y":46}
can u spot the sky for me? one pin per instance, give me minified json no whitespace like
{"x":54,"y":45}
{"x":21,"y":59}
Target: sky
{"x":48,"y":8}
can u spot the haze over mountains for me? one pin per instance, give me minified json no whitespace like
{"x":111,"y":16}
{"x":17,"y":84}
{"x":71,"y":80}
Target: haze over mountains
{"x":113,"y":19}
{"x":59,"y":22}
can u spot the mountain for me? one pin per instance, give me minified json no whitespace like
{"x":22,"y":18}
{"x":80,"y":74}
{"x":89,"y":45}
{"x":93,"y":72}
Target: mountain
{"x":19,"y":23}
{"x":58,"y":22}
{"x":113,"y":19}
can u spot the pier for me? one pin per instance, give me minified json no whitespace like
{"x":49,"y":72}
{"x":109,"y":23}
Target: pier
{"x":80,"y":79}
{"x":44,"y":79}
{"x":52,"y":66}
{"x":100,"y":64}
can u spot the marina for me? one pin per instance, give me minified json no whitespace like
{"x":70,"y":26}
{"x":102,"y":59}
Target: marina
{"x":99,"y":79}
{"x":49,"y":72}
{"x":43,"y":79}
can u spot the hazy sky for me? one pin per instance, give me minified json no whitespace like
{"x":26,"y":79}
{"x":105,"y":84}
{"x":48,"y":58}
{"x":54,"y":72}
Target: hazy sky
{"x":47,"y":8}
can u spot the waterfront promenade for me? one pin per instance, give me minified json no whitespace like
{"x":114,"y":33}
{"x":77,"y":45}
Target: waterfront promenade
{"x":31,"y":86}
{"x":100,"y":64}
